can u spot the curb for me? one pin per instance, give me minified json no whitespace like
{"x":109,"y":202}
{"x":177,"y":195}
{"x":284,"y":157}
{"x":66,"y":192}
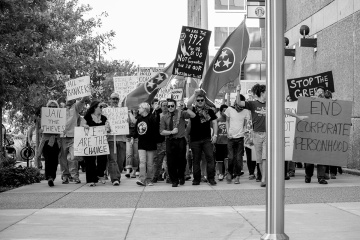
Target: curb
{"x":351,"y":171}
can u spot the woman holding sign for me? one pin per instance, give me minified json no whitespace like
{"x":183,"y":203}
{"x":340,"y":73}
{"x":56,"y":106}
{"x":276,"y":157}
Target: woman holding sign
{"x":95,"y":165}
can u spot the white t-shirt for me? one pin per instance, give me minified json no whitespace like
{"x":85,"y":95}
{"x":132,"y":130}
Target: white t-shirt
{"x":236,"y":122}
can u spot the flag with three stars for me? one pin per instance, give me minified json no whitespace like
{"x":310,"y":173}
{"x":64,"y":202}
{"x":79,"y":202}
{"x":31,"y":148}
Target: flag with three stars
{"x":226,"y":65}
{"x":148,"y":90}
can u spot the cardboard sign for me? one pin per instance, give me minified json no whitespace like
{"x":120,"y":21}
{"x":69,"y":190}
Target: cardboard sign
{"x":324,"y":137}
{"x":118,"y":119}
{"x":191,"y":53}
{"x":145,"y":73}
{"x":164,"y":92}
{"x":78,"y":87}
{"x":306,"y":86}
{"x":90,"y":142}
{"x":124,"y":85}
{"x":290,"y":130}
{"x":177,"y":94}
{"x":53,"y":120}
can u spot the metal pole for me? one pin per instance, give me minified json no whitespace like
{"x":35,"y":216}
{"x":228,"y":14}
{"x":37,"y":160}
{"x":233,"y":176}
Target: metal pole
{"x":275,"y":191}
{"x":204,"y":25}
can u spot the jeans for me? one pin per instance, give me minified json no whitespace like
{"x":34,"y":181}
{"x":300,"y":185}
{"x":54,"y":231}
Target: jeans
{"x":260,"y":145}
{"x":197,"y":147}
{"x":320,"y":169}
{"x":69,"y":166}
{"x":132,"y":154}
{"x":176,"y":158}
{"x":221,"y":154}
{"x":116,"y":160}
{"x":146,"y":165}
{"x":51,"y":155}
{"x":159,"y":158}
{"x":250,"y":163}
{"x":236,"y":152}
{"x":95,"y":167}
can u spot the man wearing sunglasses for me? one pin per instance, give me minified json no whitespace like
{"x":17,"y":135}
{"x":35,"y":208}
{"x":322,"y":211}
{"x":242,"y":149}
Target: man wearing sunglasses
{"x":200,"y":136}
{"x":172,"y":126}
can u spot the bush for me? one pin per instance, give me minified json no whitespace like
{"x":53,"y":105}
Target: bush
{"x":7,"y":161}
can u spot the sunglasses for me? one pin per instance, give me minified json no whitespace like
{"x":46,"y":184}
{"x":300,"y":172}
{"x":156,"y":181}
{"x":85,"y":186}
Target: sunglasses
{"x":200,"y":100}
{"x":170,"y":106}
{"x":116,"y":99}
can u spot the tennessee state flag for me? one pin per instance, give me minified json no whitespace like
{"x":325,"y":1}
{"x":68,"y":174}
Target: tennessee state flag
{"x":148,"y":90}
{"x":225,"y":66}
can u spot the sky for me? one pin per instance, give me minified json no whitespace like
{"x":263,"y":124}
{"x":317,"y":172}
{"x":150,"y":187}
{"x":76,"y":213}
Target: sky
{"x":147,"y":31}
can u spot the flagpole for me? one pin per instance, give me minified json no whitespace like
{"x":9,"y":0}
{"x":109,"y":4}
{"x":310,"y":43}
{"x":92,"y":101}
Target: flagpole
{"x":242,"y":45}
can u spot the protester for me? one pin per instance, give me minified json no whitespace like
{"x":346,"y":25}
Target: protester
{"x":69,"y":166}
{"x":172,"y":126}
{"x":132,"y":151}
{"x":221,"y":151}
{"x":95,"y":165}
{"x":50,"y":147}
{"x":200,"y":134}
{"x":32,"y":137}
{"x":235,"y":124}
{"x":117,"y":148}
{"x":146,"y":127}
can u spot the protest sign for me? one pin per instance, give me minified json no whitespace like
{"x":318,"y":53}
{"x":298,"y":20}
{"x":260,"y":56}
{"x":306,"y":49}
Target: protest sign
{"x":91,"y":141}
{"x":124,"y":85}
{"x":177,"y":94}
{"x":78,"y":87}
{"x":306,"y":86}
{"x":290,"y":130}
{"x":118,"y":119}
{"x":323,"y":138}
{"x":145,"y":73}
{"x":53,"y":120}
{"x":191,"y":52}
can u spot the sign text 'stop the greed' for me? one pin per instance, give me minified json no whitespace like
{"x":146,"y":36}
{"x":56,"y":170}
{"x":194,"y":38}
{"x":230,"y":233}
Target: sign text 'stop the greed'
{"x":78,"y":87}
{"x":306,"y":86}
{"x":145,"y":73}
{"x":118,"y":119}
{"x":53,"y":120}
{"x":90,"y":141}
{"x":191,"y":52}
{"x":324,"y":137}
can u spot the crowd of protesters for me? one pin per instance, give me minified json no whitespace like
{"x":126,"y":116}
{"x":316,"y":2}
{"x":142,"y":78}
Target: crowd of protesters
{"x":169,"y":141}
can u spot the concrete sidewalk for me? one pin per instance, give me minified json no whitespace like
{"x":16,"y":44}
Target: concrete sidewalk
{"x":225,"y":211}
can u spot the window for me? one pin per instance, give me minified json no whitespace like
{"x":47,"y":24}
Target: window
{"x":229,"y":4}
{"x":255,"y":37}
{"x":221,"y":33}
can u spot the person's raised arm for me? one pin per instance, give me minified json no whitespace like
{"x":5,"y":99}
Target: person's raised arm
{"x":288,"y":112}
{"x":238,"y":101}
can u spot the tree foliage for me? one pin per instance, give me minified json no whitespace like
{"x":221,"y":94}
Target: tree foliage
{"x":42,"y":44}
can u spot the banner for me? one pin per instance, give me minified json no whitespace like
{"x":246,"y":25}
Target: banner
{"x":146,"y":73}
{"x":124,"y":85}
{"x":78,"y":87}
{"x":191,"y":52}
{"x":91,"y":141}
{"x":290,"y":130}
{"x":53,"y":120}
{"x":324,"y":137}
{"x":306,"y":86}
{"x":177,"y":94}
{"x":118,"y":119}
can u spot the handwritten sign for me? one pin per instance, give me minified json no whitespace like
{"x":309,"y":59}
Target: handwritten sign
{"x":191,"y":52}
{"x":90,"y":142}
{"x":306,"y":86}
{"x":124,"y":85}
{"x":290,"y":124}
{"x":53,"y":120}
{"x":118,"y":119}
{"x":165,"y":92}
{"x":145,"y":73}
{"x":177,"y":94}
{"x":78,"y":87}
{"x":324,"y":137}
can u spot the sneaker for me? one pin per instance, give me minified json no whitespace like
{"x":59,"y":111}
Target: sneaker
{"x":102,"y":180}
{"x":322,"y":181}
{"x":263,"y":184}
{"x":77,"y":181}
{"x":291,"y":174}
{"x":287,"y":177}
{"x":228,"y":178}
{"x":212,"y":182}
{"x":127,"y":175}
{"x":51,"y":182}
{"x":116,"y":183}
{"x":237,"y":180}
{"x":204,"y":179}
{"x":196,"y":183}
{"x":182,"y":181}
{"x":307,"y":180}
{"x":92,"y":184}
{"x":65,"y":181}
{"x":138,"y":182}
{"x":174,"y":184}
{"x":252,"y":177}
{"x":221,"y":177}
{"x":187,"y":178}
{"x":333,"y":176}
{"x":150,"y":184}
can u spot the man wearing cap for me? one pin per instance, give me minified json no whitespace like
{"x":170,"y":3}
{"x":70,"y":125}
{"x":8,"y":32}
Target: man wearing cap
{"x":69,"y":166}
